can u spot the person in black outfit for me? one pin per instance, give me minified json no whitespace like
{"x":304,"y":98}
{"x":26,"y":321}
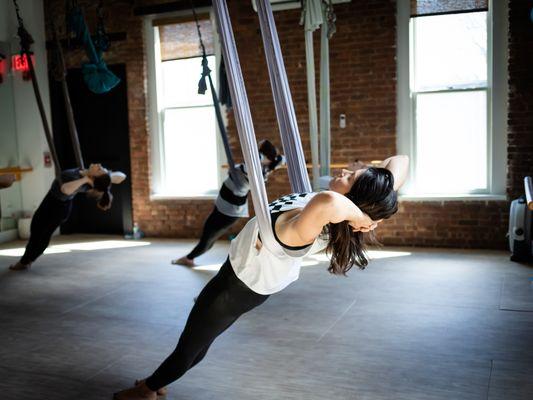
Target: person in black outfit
{"x":232,"y":202}
{"x":55,"y":208}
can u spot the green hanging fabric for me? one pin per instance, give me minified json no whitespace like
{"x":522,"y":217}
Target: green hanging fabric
{"x":98,"y":78}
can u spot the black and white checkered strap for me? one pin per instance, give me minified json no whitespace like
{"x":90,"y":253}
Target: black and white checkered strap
{"x":290,"y":202}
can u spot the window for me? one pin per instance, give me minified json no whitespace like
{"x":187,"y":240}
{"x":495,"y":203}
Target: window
{"x":449,"y":103}
{"x":452,"y":101}
{"x":186,"y":154}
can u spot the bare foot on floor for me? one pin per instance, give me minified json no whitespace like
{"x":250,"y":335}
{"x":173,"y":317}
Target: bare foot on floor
{"x":139,"y":392}
{"x":19,"y":266}
{"x":184,"y":261}
{"x":161,"y":392}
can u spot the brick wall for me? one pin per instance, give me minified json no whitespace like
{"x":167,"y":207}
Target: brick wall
{"x":520,"y":118}
{"x":363,"y":86}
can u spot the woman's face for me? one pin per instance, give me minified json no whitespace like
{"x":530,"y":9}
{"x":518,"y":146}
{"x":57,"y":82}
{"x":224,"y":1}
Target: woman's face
{"x":95,"y":170}
{"x":343,"y":182}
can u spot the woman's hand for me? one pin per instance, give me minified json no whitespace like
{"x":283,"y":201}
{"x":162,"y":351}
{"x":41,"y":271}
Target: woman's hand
{"x":69,"y":188}
{"x":88,"y":180}
{"x":356,"y":166}
{"x":362,"y":223}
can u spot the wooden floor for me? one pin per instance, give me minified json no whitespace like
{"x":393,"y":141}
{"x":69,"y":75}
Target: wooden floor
{"x":424,"y":324}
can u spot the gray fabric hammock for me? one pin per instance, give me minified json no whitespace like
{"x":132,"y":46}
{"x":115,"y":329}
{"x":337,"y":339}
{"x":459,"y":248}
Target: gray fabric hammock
{"x":286,"y":115}
{"x":318,"y":14}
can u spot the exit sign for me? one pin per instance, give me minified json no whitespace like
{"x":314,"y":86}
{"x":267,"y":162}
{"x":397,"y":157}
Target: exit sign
{"x":20,"y":63}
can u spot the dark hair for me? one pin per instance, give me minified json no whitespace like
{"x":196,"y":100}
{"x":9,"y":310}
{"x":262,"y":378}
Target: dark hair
{"x":102,"y":184}
{"x":271,"y":153}
{"x":268,"y":149}
{"x":373,"y":192}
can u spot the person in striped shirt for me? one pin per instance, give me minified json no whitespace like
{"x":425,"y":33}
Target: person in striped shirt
{"x":232,"y":202}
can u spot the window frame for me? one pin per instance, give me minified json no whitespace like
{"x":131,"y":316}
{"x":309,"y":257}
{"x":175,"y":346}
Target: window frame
{"x":496,"y":91}
{"x":155,"y":111}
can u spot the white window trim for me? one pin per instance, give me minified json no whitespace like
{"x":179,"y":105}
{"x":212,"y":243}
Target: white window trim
{"x":154,"y":114}
{"x":497,"y":91}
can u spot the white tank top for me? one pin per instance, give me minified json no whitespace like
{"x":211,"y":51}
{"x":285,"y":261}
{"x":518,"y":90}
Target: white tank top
{"x":261,"y":270}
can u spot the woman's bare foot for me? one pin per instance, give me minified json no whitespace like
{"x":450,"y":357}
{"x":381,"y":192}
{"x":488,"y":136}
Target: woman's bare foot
{"x":19,"y":266}
{"x":184,"y":261}
{"x":161,"y":392}
{"x":139,"y":392}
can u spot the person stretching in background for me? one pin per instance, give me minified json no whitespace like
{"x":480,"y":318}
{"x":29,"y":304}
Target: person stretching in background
{"x":232,"y":202}
{"x":56,"y":207}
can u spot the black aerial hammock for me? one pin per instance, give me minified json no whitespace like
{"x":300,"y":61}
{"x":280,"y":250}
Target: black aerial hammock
{"x":25,"y":43}
{"x":101,"y":40}
{"x":61,"y":75}
{"x":202,"y":88}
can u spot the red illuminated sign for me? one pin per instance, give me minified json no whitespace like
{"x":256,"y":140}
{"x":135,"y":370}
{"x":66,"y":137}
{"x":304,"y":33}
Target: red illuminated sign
{"x":2,"y":68}
{"x":20,"y":63}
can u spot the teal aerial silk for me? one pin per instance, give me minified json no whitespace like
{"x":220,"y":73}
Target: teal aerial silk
{"x":98,"y":78}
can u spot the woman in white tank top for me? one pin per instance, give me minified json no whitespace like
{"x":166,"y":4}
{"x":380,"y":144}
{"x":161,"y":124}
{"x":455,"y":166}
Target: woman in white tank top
{"x":303,"y":223}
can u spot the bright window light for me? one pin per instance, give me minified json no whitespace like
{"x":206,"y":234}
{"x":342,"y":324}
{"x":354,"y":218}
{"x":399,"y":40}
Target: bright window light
{"x":449,"y":83}
{"x":315,"y":259}
{"x":190,"y":156}
{"x":190,"y":151}
{"x":101,"y":245}
{"x":320,"y":259}
{"x":79,"y":246}
{"x":180,"y":83}
{"x":19,"y":251}
{"x":377,"y":254}
{"x":450,"y":50}
{"x":208,"y":268}
{"x":451,"y":141}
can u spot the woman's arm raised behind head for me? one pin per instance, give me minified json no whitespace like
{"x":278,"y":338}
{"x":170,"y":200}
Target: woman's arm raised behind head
{"x":324,"y":208}
{"x":71,"y":187}
{"x":399,"y":166}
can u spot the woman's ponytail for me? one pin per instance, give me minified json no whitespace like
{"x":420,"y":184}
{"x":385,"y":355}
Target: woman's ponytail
{"x":105,"y":201}
{"x":102,"y":184}
{"x":373,"y":192}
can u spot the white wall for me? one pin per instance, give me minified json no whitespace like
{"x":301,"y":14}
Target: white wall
{"x":31,"y":141}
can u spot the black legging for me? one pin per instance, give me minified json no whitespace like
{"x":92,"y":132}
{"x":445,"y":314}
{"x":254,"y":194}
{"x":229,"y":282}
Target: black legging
{"x":224,"y":299}
{"x":214,"y":227}
{"x":50,"y":214}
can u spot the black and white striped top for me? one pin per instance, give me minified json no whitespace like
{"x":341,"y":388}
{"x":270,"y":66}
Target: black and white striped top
{"x":232,"y":198}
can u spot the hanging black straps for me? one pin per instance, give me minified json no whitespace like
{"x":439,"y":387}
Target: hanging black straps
{"x":61,"y":75}
{"x":25,"y":44}
{"x":202,"y":87}
{"x":101,"y":40}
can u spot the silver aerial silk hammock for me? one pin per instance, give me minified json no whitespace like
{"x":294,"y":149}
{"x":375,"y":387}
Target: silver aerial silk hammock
{"x":292,"y":145}
{"x":318,"y":13}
